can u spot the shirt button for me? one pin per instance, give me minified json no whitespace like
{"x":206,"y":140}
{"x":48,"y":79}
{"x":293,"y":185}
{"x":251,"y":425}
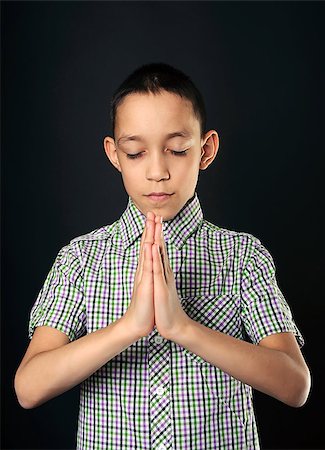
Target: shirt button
{"x":160,"y":390}
{"x":158,"y":339}
{"x":162,"y":447}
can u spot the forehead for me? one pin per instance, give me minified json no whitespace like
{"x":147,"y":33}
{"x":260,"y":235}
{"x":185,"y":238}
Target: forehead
{"x":152,"y":114}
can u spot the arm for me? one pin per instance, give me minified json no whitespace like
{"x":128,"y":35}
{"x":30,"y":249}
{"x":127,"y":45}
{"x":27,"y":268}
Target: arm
{"x":49,"y":373}
{"x":275,"y":366}
{"x":52,"y":364}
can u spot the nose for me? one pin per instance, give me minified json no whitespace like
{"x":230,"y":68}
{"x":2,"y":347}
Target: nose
{"x":157,"y":168}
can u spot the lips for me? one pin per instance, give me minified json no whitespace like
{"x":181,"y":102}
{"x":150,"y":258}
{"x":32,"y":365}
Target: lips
{"x":159,"y":193}
{"x":159,"y":197}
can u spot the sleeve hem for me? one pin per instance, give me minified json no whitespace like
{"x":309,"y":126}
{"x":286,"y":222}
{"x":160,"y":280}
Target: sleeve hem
{"x":47,"y":322}
{"x":300,"y":340}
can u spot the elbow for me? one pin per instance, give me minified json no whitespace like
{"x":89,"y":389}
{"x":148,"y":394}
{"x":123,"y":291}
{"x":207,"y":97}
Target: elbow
{"x":24,"y":405}
{"x":297,"y":394}
{"x":22,"y":394}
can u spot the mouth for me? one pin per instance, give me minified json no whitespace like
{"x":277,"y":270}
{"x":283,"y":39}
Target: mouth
{"x":159,"y":197}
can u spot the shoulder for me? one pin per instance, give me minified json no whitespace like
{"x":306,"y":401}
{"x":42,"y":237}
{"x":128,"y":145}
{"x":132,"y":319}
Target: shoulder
{"x":242,"y":237}
{"x":98,"y":234}
{"x":243,"y":244}
{"x":92,"y":241}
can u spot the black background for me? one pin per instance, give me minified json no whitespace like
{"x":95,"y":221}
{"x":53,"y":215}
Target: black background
{"x":258,"y":66}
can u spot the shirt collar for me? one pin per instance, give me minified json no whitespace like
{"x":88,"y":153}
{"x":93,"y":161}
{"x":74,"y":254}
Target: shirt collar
{"x":176,"y":230}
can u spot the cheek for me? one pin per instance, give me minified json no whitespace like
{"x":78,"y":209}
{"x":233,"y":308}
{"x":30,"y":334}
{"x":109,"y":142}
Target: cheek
{"x":128,"y":180}
{"x":133,"y":180}
{"x":187,"y":170}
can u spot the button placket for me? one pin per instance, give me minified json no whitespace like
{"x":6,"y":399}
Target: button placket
{"x":159,"y":382}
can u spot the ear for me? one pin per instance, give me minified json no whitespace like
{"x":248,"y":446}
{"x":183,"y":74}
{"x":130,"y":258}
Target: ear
{"x":209,"y":148}
{"x":111,"y":152}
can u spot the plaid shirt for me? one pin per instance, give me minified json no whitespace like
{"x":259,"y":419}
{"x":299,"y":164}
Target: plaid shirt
{"x":157,"y":395}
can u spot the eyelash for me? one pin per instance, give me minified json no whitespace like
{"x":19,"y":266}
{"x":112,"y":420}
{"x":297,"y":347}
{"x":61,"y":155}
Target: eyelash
{"x":137,"y":155}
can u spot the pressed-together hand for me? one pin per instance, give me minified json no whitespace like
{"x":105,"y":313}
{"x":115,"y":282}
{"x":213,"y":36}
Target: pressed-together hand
{"x":170,"y":318}
{"x":140,"y":313}
{"x":155,"y":299}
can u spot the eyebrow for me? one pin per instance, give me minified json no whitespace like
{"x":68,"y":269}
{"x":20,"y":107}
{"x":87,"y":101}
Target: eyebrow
{"x":134,"y":137}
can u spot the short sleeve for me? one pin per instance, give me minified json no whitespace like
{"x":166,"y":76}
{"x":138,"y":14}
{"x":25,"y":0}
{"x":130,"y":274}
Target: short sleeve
{"x":60,"y":302}
{"x":264,"y":310}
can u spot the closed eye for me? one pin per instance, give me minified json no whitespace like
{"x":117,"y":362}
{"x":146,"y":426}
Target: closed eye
{"x":174,"y":152}
{"x":182,"y":152}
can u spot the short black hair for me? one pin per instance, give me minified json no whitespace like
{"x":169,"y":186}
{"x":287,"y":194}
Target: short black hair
{"x":156,"y":77}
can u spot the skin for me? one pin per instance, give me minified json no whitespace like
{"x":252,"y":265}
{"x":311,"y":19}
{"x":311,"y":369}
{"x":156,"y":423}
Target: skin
{"x":158,"y":169}
{"x":275,"y":366}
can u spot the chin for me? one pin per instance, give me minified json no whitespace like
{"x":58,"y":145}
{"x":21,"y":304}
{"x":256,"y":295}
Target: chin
{"x":166,"y":211}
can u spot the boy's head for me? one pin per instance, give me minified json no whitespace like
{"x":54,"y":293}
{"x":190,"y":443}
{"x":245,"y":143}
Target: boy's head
{"x":156,"y":112}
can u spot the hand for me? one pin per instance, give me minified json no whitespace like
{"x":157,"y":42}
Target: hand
{"x":170,"y":318}
{"x":140,"y":313}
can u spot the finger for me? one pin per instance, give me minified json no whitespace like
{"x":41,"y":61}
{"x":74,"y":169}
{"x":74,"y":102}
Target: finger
{"x":164,"y":252}
{"x":158,"y":268}
{"x":159,"y":240}
{"x":159,"y":237}
{"x":146,"y":230}
{"x":142,"y":248}
{"x":158,"y":230}
{"x":147,"y":261}
{"x":150,"y":222}
{"x":140,"y":264}
{"x":147,"y":237}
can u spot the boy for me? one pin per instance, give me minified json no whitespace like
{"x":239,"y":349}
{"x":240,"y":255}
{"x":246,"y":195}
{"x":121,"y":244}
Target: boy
{"x":174,"y":367}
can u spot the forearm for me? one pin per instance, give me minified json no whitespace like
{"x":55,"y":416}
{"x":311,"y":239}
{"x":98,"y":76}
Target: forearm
{"x":270,"y":371}
{"x":50,"y":373}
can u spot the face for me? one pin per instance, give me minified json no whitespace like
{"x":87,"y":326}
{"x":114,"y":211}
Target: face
{"x":158,"y":148}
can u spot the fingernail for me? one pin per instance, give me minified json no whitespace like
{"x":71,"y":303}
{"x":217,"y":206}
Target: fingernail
{"x":161,"y":219}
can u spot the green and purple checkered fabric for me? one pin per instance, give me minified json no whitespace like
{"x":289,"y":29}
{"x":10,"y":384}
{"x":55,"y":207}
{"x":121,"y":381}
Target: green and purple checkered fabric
{"x":157,"y":395}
